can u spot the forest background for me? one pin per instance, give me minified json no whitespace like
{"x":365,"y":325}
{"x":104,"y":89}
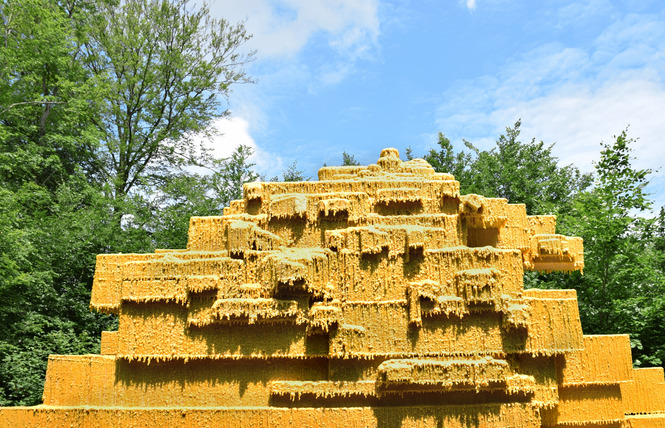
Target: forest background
{"x":102,"y":108}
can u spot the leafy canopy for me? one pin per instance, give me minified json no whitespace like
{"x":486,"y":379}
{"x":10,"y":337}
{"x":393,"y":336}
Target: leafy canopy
{"x":526,"y":173}
{"x":101,"y":104}
{"x":163,"y":69}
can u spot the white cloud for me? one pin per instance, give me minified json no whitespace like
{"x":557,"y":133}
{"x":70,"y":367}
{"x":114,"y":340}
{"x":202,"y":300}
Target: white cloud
{"x":574,"y":97}
{"x":232,"y":132}
{"x":282,"y":28}
{"x":577,"y":13}
{"x":236,"y":131}
{"x":471,"y":4}
{"x":579,"y":118}
{"x":303,"y":46}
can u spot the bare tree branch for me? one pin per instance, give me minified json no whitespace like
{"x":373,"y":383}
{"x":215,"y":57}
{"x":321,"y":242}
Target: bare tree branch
{"x":31,"y":103}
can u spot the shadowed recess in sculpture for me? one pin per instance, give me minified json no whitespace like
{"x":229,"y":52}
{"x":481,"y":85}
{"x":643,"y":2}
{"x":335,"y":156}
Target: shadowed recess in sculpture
{"x":376,"y":296}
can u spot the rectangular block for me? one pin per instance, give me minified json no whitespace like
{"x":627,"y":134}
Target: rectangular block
{"x":543,"y":370}
{"x":589,"y":404}
{"x":206,"y":234}
{"x":490,"y":215}
{"x":645,"y":421}
{"x":605,"y":359}
{"x":645,"y":393}
{"x":541,"y":224}
{"x":454,"y":374}
{"x":444,"y":266}
{"x":94,"y":380}
{"x":74,"y":380}
{"x":549,"y":253}
{"x":160,"y":330}
{"x":109,"y":344}
{"x":514,"y":233}
{"x":555,"y":322}
{"x":107,"y":284}
{"x":482,"y":415}
{"x":368,"y":329}
{"x":172,"y":278}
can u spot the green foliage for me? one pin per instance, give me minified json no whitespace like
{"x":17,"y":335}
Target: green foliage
{"x":163,"y":68}
{"x":292,"y":173}
{"x":50,"y":224}
{"x":46,"y":268}
{"x":622,"y":289}
{"x":44,"y":95}
{"x":623,"y":286}
{"x":446,"y":160}
{"x":524,"y":173}
{"x":23,"y":362}
{"x":99,"y":106}
{"x":640,"y":308}
{"x":230,"y":175}
{"x":162,"y":221}
{"x":408,"y":152}
{"x":349,"y":160}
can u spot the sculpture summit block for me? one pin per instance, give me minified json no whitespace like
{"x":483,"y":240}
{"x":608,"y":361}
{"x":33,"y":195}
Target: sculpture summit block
{"x":376,"y":296}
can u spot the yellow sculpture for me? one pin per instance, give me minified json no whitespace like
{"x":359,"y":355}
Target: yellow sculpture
{"x":377,"y":296}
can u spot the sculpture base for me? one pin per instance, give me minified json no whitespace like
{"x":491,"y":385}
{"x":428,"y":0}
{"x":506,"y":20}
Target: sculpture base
{"x":487,"y":415}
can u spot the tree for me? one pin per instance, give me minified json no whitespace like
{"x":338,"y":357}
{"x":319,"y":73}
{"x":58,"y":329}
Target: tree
{"x":349,"y":160}
{"x":408,"y":153}
{"x":48,"y":211}
{"x":292,"y":173}
{"x":164,"y":68}
{"x":230,"y":174}
{"x":163,"y":220}
{"x":72,"y":183}
{"x":603,"y":218}
{"x":623,"y":284}
{"x":638,"y":308}
{"x":659,"y":238}
{"x":446,"y":160}
{"x":48,"y":241}
{"x":524,"y":173}
{"x":45,"y":115}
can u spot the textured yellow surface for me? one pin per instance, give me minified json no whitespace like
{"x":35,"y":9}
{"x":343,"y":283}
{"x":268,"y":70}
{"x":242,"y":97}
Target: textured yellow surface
{"x":604,"y":360}
{"x":644,"y":394}
{"x":482,"y":416}
{"x":376,"y":296}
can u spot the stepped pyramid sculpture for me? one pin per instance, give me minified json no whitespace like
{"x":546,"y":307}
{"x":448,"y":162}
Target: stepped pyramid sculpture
{"x":377,"y":296}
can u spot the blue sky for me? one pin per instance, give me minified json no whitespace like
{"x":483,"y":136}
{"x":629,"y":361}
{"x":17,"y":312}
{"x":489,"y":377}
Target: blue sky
{"x":361,"y":75}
